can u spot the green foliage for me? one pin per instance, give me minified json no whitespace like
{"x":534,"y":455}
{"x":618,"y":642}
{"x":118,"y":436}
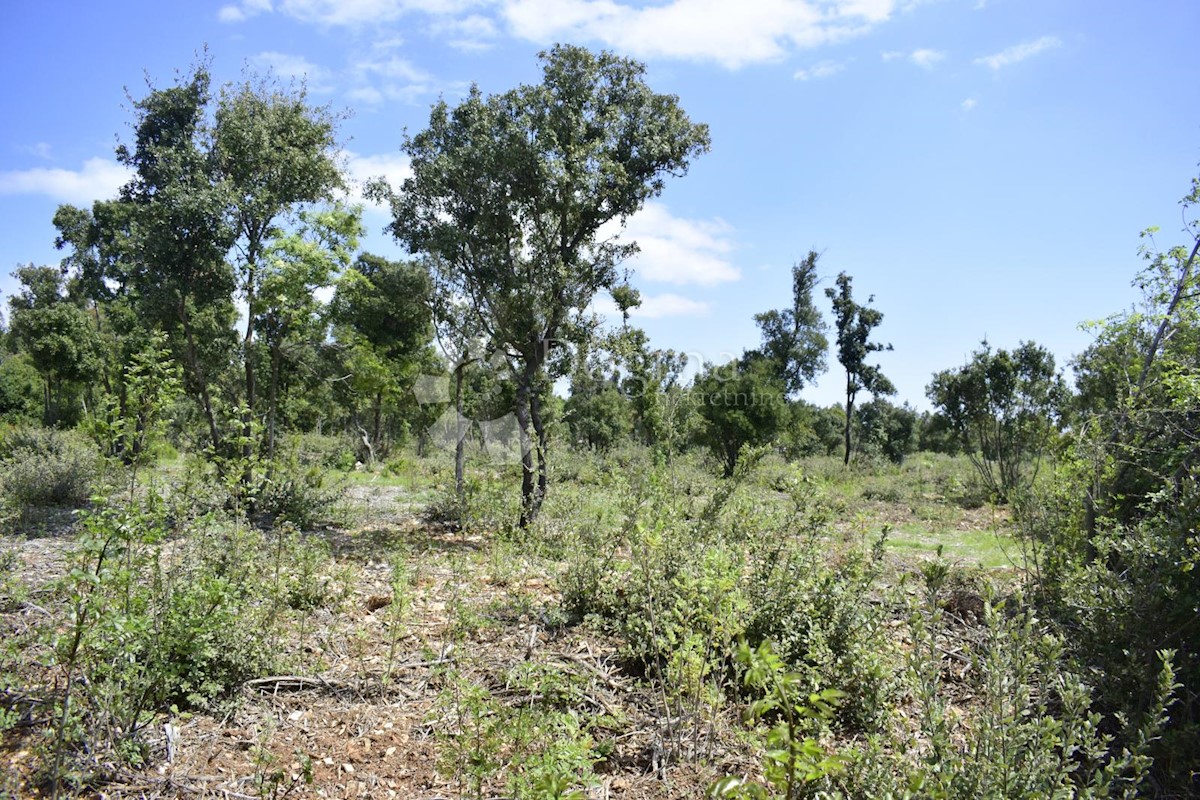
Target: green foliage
{"x":382,"y":323}
{"x":538,"y":742}
{"x":854,"y":324}
{"x":792,"y":758}
{"x":596,"y":412}
{"x":54,"y":330}
{"x":508,"y":196}
{"x":1030,"y":732}
{"x":815,"y":608}
{"x":887,"y":430}
{"x":303,"y":495}
{"x":794,"y":339}
{"x":742,"y":403}
{"x":20,"y":390}
{"x":1004,"y":407}
{"x":42,"y":467}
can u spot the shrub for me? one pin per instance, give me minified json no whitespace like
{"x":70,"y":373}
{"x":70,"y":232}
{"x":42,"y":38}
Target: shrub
{"x":1026,"y":728}
{"x":42,"y":467}
{"x":816,"y":609}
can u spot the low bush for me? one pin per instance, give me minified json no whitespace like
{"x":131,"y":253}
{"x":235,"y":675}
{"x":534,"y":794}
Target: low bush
{"x":43,"y":467}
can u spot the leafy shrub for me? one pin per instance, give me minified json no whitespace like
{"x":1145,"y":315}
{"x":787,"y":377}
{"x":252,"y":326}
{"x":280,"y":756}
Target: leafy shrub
{"x":330,"y":452}
{"x":43,"y":467}
{"x":1028,"y":728}
{"x":817,"y":611}
{"x":298,"y":495}
{"x":154,"y":624}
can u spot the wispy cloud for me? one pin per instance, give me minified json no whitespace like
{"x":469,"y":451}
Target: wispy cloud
{"x":391,"y":77}
{"x":730,"y":34}
{"x":368,"y":12}
{"x":40,"y":149}
{"x":654,"y":306}
{"x":669,"y":305}
{"x":968,"y":104}
{"x":472,"y":33}
{"x":676,"y":250}
{"x":240,"y":12}
{"x":926,"y":58}
{"x":1019,"y":52}
{"x":98,"y":179}
{"x":823,"y":69}
{"x":316,"y":77}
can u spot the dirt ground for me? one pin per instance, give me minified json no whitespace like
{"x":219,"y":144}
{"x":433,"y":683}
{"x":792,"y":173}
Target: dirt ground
{"x":362,"y":719}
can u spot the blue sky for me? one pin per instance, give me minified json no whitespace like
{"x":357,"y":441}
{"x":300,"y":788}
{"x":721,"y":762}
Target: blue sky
{"x":982,"y":167}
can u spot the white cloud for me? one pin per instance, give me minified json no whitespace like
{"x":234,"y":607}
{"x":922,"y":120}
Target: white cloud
{"x":731,"y":34}
{"x":823,"y":69}
{"x":669,"y":305}
{"x":393,"y":78}
{"x":1019,"y":52}
{"x":367,"y":12}
{"x":242,"y":12}
{"x":926,"y":58}
{"x":652,"y":307}
{"x":676,"y":250}
{"x":891,"y":55}
{"x":316,"y":77}
{"x":42,"y":150}
{"x":395,"y":167}
{"x":97,"y":180}
{"x":969,"y":103}
{"x":471,"y":34}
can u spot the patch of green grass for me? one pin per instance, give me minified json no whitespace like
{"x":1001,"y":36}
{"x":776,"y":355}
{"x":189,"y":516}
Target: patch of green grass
{"x":987,"y":548}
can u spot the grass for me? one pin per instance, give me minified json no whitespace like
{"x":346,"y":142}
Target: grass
{"x":987,"y":548}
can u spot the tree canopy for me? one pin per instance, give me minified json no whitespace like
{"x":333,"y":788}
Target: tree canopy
{"x":510,"y":193}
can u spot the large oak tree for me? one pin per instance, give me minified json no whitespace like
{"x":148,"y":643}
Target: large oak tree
{"x":510,"y":192}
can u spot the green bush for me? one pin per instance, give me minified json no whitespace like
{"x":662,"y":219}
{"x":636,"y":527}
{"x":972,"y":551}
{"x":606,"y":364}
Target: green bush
{"x":1024,"y":726}
{"x":817,"y":609}
{"x":304,"y":496}
{"x":43,"y":467}
{"x":153,"y":624}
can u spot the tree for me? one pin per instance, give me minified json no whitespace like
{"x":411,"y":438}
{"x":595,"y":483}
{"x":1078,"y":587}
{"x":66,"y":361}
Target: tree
{"x":794,"y":339}
{"x":382,"y":321}
{"x":1004,"y":408}
{"x":172,"y":230}
{"x":854,"y":325}
{"x":888,"y":430}
{"x":54,"y":330}
{"x":286,"y":308}
{"x":509,"y":194}
{"x":272,"y":153}
{"x":742,"y":403}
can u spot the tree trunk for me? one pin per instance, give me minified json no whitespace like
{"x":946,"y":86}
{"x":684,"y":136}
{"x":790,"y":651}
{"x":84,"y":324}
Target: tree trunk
{"x":198,"y":376}
{"x":528,"y":510}
{"x":460,"y":437}
{"x":273,"y":399}
{"x":248,"y":357}
{"x":539,"y":431}
{"x":377,"y":420}
{"x":849,"y":417}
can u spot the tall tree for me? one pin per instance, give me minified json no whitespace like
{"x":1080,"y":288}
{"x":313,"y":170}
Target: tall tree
{"x":172,"y":223}
{"x":287,"y":309}
{"x":273,"y":152}
{"x":794,"y":339}
{"x":382,"y":322}
{"x":854,"y":346}
{"x":509,"y":194}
